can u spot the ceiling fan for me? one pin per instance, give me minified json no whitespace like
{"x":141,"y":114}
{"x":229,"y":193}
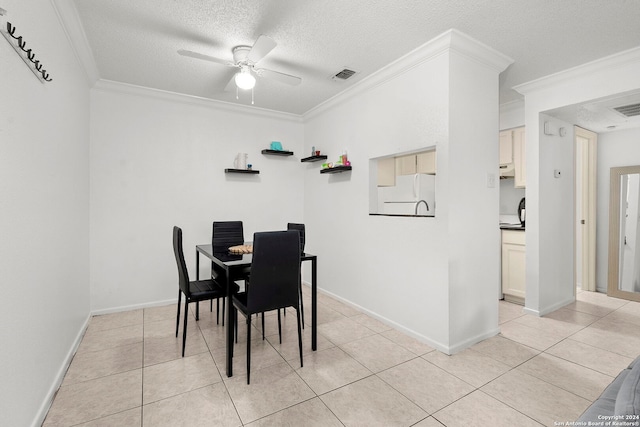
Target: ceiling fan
{"x":245,"y":58}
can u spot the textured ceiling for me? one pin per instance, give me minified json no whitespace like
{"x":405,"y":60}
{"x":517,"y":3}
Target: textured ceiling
{"x":136,"y":42}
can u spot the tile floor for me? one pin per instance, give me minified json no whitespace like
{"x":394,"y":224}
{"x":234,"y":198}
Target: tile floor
{"x":128,"y":371}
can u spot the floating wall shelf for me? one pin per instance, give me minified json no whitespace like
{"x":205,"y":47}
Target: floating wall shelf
{"x":277,"y":152}
{"x":336,"y":169}
{"x":313,"y":159}
{"x":249,"y":171}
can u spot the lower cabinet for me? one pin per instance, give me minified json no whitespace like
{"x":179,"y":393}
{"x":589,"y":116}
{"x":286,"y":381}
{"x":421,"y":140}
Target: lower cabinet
{"x":513,"y":266}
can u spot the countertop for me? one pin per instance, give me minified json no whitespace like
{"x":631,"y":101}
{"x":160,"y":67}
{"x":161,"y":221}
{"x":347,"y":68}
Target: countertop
{"x":516,"y":227}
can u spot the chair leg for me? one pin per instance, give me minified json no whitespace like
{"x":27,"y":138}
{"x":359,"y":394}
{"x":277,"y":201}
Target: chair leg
{"x":299,"y":337}
{"x":279,"y":325}
{"x":197,"y":311}
{"x":263,"y":326}
{"x":218,"y":312}
{"x":211,"y":306}
{"x":235,"y":310}
{"x":301,"y":305}
{"x":178,"y":316}
{"x":224,"y":302}
{"x":248,"y":348}
{"x":184,"y":329}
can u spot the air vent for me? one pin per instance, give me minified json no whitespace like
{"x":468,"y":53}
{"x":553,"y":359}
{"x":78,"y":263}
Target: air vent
{"x":344,"y":74}
{"x":631,"y":110}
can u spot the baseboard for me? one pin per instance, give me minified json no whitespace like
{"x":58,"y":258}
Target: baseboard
{"x":471,"y":341}
{"x":51,"y":394}
{"x":133,"y":307}
{"x":423,"y":339}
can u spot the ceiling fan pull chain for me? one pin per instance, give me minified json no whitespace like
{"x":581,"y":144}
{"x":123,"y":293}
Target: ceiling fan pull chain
{"x":237,"y":93}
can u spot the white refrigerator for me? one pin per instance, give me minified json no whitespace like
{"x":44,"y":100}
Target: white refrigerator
{"x":412,"y":194}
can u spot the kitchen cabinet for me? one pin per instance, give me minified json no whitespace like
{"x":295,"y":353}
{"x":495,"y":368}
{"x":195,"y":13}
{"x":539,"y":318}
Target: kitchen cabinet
{"x":513,"y":266}
{"x":387,"y":172}
{"x":424,"y":162}
{"x":506,"y":147}
{"x":519,"y":163}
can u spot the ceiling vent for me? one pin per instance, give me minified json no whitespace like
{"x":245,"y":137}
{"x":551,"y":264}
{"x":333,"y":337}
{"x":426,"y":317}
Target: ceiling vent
{"x":344,"y":74}
{"x":631,"y":110}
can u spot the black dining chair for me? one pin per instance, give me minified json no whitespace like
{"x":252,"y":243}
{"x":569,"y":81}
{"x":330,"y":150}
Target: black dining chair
{"x":224,"y":235}
{"x":275,"y":278}
{"x":300,"y":228}
{"x":194,"y":291}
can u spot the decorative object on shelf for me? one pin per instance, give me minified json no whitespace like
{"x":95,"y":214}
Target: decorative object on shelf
{"x":276,"y":146}
{"x":27,"y":55}
{"x":240,"y":162}
{"x":314,"y":158}
{"x":249,"y":166}
{"x":248,"y":171}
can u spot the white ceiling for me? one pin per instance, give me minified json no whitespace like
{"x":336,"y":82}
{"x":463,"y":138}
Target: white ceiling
{"x":136,"y":42}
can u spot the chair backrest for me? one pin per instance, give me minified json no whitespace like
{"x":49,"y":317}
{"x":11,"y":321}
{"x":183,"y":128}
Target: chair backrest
{"x":300,"y":228}
{"x":226,"y":234}
{"x":183,"y":274}
{"x":275,"y":271}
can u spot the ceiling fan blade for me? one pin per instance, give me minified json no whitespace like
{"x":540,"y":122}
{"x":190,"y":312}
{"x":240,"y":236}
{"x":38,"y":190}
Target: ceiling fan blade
{"x":260,"y":48}
{"x":277,"y":76}
{"x":205,"y":57}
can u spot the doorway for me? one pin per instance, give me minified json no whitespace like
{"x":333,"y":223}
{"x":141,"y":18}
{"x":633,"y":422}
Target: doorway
{"x":585,"y":208}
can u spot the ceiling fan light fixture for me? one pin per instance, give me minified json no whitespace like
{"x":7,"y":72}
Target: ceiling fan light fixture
{"x":244,"y":79}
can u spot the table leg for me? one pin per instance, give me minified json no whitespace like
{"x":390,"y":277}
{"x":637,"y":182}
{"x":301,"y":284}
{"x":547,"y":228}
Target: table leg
{"x":197,"y":278}
{"x":314,"y":305}
{"x":230,"y":326}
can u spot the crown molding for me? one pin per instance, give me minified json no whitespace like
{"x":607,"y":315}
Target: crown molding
{"x":514,"y":105}
{"x":449,"y":40}
{"x":73,"y":29}
{"x":103,"y":85}
{"x":611,"y":62}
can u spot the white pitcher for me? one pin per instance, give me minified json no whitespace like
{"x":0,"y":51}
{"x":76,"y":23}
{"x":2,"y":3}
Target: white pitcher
{"x":241,"y":161}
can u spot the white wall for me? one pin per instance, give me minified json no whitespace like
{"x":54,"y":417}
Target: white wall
{"x":422,"y":275}
{"x":158,"y":161}
{"x":618,"y":148}
{"x":44,"y":205}
{"x":546,"y":250}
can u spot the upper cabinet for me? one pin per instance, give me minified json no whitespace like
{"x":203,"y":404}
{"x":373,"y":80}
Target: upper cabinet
{"x":519,"y":162}
{"x":387,"y":172}
{"x":424,"y":162}
{"x":512,"y":156}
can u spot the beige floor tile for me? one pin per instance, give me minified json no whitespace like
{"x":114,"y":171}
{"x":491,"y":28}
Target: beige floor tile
{"x":371,"y":402}
{"x":343,"y":331}
{"x":374,"y":324}
{"x":508,"y":311}
{"x":90,"y":400}
{"x":115,"y":320}
{"x":470,"y":366}
{"x":164,"y":312}
{"x":535,"y":398}
{"x":325,"y":315}
{"x":206,"y":406}
{"x":263,"y":355}
{"x":312,"y":413}
{"x":480,"y":409}
{"x":329,"y":369}
{"x":167,"y":328}
{"x":531,"y":337}
{"x":413,"y":345}
{"x":130,"y":418}
{"x":595,"y":303}
{"x":598,"y":359}
{"x":110,"y":338}
{"x":429,"y":422}
{"x":95,"y":364}
{"x":626,"y":315}
{"x":271,"y":390}
{"x":164,"y":349}
{"x":338,"y":306}
{"x":178,"y":376}
{"x":548,"y":325}
{"x":425,"y":384}
{"x":619,"y":337}
{"x":289,"y":347}
{"x":505,"y":350}
{"x":569,"y":376}
{"x":377,"y":353}
{"x":572,"y":316}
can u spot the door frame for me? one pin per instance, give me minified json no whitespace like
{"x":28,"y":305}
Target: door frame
{"x":585,"y":255}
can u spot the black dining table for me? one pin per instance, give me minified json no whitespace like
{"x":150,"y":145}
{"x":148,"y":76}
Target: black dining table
{"x":234,"y":266}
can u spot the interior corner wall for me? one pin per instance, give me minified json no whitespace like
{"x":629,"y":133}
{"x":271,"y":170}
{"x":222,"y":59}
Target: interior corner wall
{"x":157,"y":162}
{"x":617,"y":148}
{"x":604,"y":79}
{"x":44,"y":201}
{"x":473,"y":235}
{"x":395,"y":268}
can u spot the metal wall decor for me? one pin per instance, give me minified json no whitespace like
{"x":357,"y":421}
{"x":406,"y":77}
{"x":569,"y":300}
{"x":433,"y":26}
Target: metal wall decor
{"x":28,"y":56}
